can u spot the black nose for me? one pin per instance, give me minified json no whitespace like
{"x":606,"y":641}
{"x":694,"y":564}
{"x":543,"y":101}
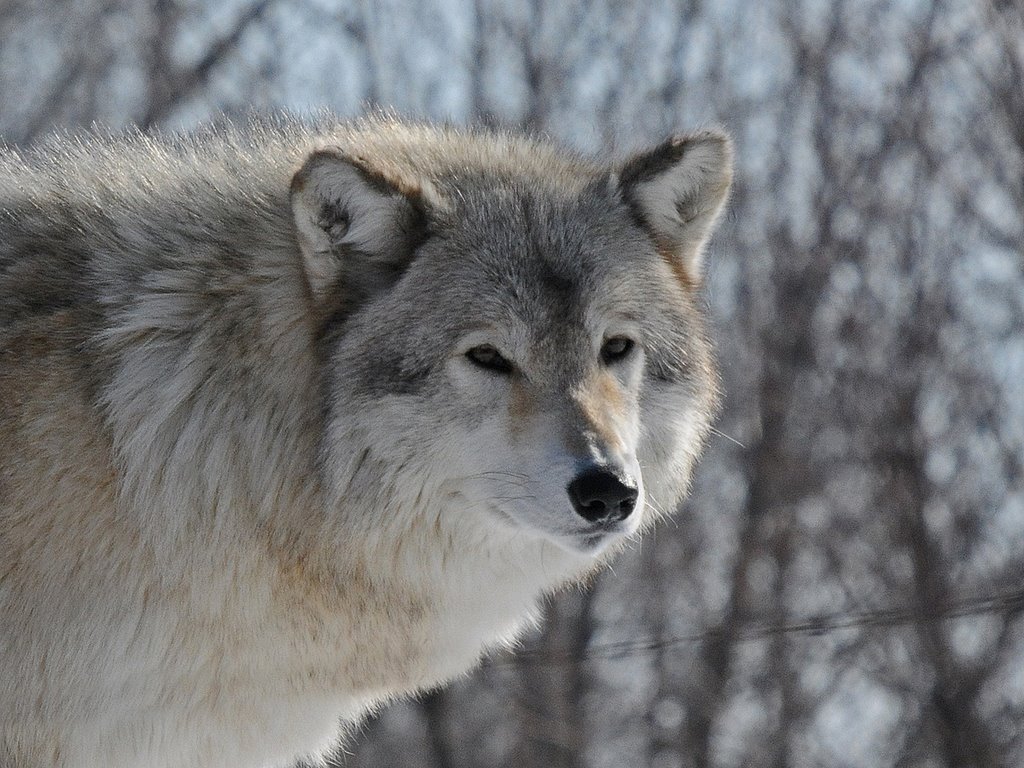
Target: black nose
{"x":600,"y":496}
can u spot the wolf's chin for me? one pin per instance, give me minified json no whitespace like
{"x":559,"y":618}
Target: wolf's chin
{"x":590,"y":544}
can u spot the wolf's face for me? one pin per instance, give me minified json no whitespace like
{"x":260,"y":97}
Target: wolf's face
{"x":526,"y":350}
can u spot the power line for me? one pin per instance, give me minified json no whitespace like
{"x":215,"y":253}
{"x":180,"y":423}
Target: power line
{"x":821,"y":624}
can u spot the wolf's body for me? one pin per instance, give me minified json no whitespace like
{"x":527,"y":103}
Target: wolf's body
{"x":288,"y":417}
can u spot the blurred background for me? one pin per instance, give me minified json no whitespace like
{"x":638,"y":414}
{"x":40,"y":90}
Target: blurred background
{"x":844,"y":587}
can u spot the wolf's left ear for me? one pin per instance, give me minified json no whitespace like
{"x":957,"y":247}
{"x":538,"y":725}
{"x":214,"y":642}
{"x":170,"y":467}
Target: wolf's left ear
{"x":678,"y":190}
{"x":353,"y":223}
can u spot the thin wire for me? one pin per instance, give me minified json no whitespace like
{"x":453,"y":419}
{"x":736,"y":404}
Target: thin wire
{"x":821,"y":624}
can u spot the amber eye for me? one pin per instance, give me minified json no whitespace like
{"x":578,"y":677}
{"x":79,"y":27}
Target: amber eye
{"x":615,"y":349}
{"x":487,"y":357}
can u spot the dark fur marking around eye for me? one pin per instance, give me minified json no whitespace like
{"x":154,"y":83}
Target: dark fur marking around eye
{"x":398,"y":378}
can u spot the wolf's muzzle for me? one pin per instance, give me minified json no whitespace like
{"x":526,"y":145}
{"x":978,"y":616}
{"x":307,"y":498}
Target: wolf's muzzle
{"x":599,"y":495}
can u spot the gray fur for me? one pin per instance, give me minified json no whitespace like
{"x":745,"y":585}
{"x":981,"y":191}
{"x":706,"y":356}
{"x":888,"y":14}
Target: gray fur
{"x":249,"y":477}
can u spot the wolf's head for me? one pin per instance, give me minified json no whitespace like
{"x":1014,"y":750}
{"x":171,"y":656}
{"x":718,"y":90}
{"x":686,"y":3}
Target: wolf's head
{"x":512,"y":334}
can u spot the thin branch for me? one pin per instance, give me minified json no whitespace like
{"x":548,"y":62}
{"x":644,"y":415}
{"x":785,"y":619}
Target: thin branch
{"x":183,"y":83}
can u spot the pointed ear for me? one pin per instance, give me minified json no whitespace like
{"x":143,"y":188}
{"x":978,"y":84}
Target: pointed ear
{"x":352,"y":223}
{"x":678,"y":190}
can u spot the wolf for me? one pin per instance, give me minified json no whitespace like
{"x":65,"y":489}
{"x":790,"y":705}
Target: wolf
{"x":301,"y":416}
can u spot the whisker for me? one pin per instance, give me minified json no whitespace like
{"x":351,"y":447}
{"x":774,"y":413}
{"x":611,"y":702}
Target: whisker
{"x":512,"y":487}
{"x":656,"y":507}
{"x":731,"y":439}
{"x":508,"y":478}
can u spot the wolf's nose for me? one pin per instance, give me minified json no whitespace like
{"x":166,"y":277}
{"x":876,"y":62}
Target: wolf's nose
{"x":599,"y":496}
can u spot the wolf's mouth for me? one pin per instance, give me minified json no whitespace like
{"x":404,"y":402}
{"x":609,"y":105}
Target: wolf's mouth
{"x":598,"y":541}
{"x":593,"y":539}
{"x":589,"y":541}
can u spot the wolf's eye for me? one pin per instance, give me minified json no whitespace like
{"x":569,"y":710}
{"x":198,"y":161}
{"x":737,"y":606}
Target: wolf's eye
{"x":486,"y":356}
{"x":616,"y":348}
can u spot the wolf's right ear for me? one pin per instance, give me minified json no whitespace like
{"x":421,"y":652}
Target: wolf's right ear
{"x":352,"y":221}
{"x":677,"y":191}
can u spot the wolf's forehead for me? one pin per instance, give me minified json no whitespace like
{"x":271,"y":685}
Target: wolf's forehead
{"x":538,"y":231}
{"x":531,"y":254}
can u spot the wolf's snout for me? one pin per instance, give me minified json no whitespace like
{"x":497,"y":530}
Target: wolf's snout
{"x":600,"y":496}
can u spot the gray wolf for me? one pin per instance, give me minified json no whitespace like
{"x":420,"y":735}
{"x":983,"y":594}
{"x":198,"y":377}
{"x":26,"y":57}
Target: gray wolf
{"x":297,"y":418}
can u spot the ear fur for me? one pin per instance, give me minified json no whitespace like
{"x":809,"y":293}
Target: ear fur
{"x":678,"y":190}
{"x":352,"y":221}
